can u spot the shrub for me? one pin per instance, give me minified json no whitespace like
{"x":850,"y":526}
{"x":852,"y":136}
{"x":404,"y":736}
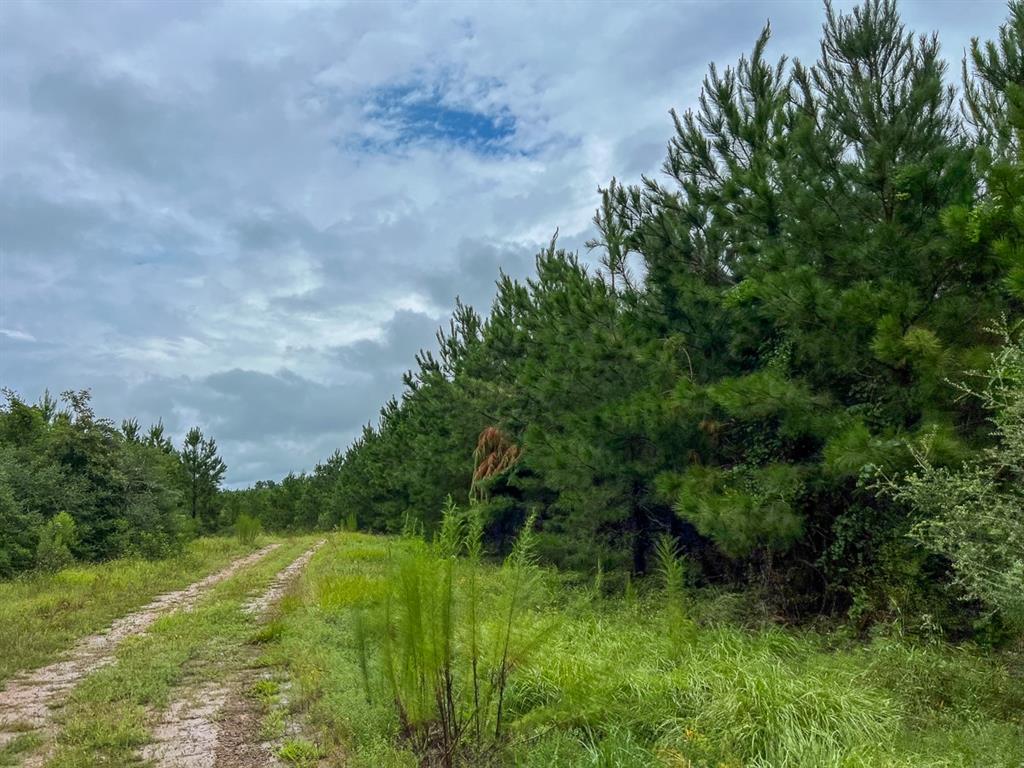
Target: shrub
{"x":247,"y":528}
{"x":56,"y":539}
{"x":975,"y":515}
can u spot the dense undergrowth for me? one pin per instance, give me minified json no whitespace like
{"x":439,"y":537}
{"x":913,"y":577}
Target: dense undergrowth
{"x":604,"y":674}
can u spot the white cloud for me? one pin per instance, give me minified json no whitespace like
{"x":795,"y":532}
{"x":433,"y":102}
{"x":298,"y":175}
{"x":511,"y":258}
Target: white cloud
{"x":16,"y":335}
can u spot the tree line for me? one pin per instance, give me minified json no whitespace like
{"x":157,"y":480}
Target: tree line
{"x":73,"y":486}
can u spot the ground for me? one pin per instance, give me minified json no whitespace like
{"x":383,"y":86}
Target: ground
{"x":270,"y":654}
{"x":168,"y":684}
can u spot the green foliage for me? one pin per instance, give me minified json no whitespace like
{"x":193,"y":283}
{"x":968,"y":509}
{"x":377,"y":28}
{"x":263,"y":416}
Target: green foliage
{"x":612,"y":688}
{"x":772,"y":322}
{"x":18,"y":528}
{"x":994,"y":86}
{"x":57,"y":609}
{"x":247,"y":528}
{"x":975,"y":514}
{"x":203,"y":469}
{"x":300,"y":752}
{"x":445,"y":668}
{"x":56,"y":540}
{"x":122,"y":490}
{"x":297,"y":503}
{"x":743,"y":509}
{"x":671,"y":570}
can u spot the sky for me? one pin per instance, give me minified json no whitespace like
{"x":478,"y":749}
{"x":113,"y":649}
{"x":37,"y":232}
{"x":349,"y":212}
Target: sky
{"x":250,"y":216}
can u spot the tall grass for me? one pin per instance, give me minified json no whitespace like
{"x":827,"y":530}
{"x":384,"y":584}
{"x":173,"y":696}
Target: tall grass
{"x":446,"y":657}
{"x":614,"y":688}
{"x":247,"y":528}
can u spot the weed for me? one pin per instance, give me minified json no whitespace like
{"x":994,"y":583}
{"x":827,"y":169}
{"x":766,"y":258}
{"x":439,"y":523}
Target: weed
{"x":247,"y":528}
{"x":300,"y":752}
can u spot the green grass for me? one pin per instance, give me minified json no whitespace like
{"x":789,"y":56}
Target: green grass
{"x":613,"y":681}
{"x":55,"y":610}
{"x":106,"y":719}
{"x":613,"y":686}
{"x":300,"y":752}
{"x":314,"y":645}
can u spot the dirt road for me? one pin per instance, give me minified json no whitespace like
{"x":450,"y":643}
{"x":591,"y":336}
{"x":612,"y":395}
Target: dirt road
{"x":28,"y":700}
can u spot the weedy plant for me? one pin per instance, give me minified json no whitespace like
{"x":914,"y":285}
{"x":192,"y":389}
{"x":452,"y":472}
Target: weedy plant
{"x":56,"y":539}
{"x":446,"y":655}
{"x":247,"y":528}
{"x":671,"y":569}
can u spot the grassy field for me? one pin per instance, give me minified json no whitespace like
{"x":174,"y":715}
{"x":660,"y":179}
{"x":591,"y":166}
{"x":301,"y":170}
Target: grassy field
{"x":620,"y":677}
{"x":54,"y":610}
{"x":538,"y":669}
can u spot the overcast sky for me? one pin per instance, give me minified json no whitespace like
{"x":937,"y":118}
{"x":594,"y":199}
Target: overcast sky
{"x":249,"y":216}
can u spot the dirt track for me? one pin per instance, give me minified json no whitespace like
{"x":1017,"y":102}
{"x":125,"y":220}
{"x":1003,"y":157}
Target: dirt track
{"x":27,"y":701}
{"x":217,"y":725}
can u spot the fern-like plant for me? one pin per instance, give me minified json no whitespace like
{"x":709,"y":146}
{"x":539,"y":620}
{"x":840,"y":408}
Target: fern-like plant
{"x":671,"y":571}
{"x":446,"y":653}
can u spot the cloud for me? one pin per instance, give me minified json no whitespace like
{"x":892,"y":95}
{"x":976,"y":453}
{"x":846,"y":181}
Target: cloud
{"x":252,"y":216}
{"x":16,"y":335}
{"x":386,"y":358}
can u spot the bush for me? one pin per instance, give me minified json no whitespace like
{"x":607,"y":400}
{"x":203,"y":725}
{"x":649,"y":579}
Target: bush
{"x":56,"y":539}
{"x":975,"y":515}
{"x":247,"y":528}
{"x":17,"y":529}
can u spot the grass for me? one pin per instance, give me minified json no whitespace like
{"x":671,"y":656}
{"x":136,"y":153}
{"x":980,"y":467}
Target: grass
{"x":646,"y":673}
{"x":614,"y":685}
{"x":57,"y":609}
{"x":300,"y":752}
{"x":107,"y":717}
{"x":314,"y":644}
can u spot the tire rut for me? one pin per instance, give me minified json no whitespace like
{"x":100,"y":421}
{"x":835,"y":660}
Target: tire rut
{"x":28,"y":700}
{"x":210,"y":725}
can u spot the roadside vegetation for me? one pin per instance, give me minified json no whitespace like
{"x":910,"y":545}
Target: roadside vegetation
{"x":76,"y":488}
{"x":795,"y":352}
{"x":741,"y":489}
{"x":606,"y":674}
{"x":110,"y":715}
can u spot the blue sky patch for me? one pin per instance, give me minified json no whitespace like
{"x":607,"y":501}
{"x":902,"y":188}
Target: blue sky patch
{"x":418,"y":113}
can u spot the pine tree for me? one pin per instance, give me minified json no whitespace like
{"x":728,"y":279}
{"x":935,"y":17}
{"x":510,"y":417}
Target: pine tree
{"x":204,"y":470}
